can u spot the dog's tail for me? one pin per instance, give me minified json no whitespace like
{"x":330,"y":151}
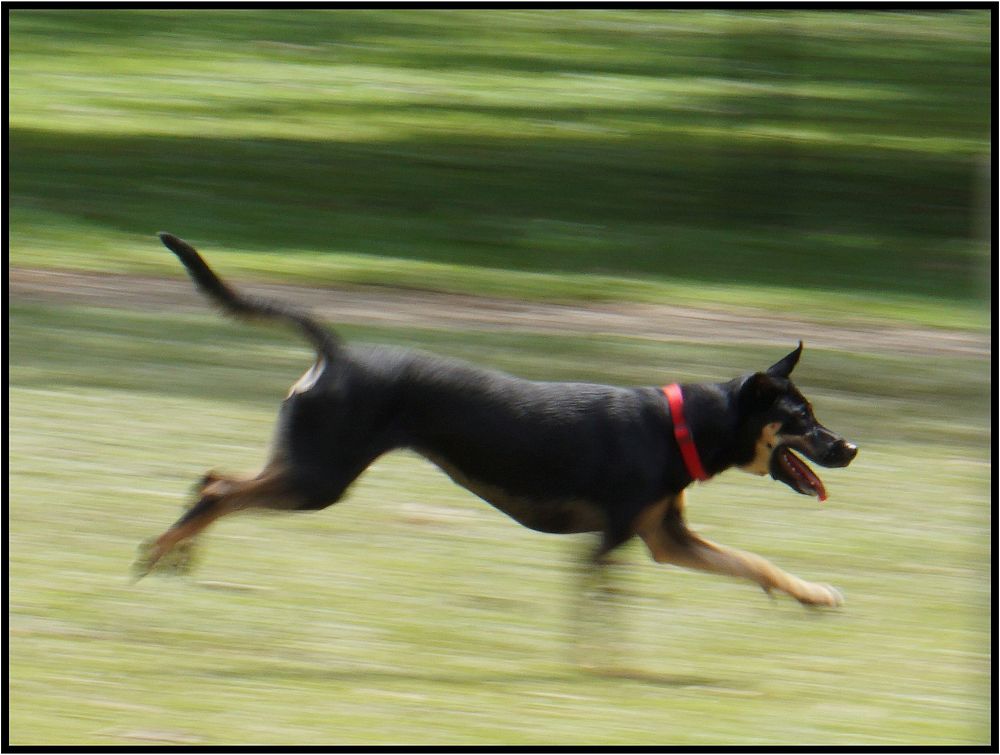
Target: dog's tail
{"x":326,"y":343}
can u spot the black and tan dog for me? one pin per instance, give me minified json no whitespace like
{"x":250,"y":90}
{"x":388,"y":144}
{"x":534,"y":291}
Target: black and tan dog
{"x":555,"y":457}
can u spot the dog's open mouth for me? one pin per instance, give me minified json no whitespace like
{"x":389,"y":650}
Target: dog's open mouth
{"x":791,"y":470}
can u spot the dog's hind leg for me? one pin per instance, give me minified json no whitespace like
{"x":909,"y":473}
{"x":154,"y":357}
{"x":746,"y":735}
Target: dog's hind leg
{"x":273,"y":488}
{"x":673,"y":543}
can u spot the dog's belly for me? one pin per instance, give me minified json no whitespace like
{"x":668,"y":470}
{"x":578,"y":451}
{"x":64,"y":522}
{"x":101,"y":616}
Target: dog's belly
{"x":555,"y":517}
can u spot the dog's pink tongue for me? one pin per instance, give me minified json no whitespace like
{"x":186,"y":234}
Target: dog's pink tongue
{"x":808,"y":475}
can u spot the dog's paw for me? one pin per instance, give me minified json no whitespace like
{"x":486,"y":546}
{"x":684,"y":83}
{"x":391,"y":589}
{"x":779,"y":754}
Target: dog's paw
{"x":180,"y":560}
{"x":145,"y":559}
{"x":821,"y":595}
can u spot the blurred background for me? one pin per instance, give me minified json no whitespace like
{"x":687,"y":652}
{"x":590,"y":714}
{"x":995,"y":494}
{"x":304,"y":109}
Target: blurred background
{"x":632,"y":197}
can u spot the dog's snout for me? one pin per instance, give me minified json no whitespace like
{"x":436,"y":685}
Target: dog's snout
{"x":849,"y":452}
{"x":841,"y":454}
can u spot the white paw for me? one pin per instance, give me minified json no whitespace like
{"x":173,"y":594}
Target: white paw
{"x":821,"y":595}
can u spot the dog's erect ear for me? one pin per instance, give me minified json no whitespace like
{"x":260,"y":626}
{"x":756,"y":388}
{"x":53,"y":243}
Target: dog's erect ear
{"x":759,"y":392}
{"x":785,"y":366}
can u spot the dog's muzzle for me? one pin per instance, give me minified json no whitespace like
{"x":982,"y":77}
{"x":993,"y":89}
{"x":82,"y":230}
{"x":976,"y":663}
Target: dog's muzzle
{"x":786,"y":466}
{"x":840,"y":454}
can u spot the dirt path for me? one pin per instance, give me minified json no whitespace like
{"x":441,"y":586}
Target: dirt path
{"x":386,"y":306}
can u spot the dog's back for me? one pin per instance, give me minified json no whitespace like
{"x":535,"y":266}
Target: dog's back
{"x":539,"y":441}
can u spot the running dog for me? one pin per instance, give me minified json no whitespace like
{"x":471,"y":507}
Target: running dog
{"x":555,"y":457}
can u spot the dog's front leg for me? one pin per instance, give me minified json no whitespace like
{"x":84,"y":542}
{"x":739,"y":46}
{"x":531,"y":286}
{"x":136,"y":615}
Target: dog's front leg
{"x":673,"y":543}
{"x":598,"y":631}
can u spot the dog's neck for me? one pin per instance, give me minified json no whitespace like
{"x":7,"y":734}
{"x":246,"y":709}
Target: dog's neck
{"x":682,"y":433}
{"x":712,"y":421}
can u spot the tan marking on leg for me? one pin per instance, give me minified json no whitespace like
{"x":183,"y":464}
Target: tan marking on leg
{"x":674,"y":543}
{"x":219,"y":496}
{"x":650,"y":518}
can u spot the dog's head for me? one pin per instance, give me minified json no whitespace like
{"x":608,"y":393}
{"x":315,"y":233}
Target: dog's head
{"x":778,"y":424}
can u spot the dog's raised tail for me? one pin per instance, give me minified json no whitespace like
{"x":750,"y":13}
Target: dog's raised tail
{"x":241,"y":305}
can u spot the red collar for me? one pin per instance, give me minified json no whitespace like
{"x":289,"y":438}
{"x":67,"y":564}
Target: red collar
{"x":683,"y":433}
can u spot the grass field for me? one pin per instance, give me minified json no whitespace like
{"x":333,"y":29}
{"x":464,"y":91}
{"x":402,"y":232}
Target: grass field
{"x":833,"y":166}
{"x":413,"y":613}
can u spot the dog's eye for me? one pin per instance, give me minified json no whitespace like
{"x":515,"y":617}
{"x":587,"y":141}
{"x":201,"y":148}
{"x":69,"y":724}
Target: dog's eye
{"x":799,"y":418}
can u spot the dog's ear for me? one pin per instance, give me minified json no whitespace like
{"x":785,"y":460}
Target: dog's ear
{"x":784,"y":367}
{"x":758,"y":392}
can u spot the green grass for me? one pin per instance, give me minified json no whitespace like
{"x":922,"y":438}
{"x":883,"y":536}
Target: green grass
{"x":831,"y":164}
{"x":411,"y":613}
